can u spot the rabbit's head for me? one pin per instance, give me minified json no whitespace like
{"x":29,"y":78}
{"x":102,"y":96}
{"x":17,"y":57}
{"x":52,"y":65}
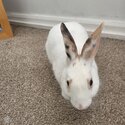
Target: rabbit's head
{"x":77,"y":82}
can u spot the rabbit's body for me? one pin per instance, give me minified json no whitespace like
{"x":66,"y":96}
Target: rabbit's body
{"x":56,"y":52}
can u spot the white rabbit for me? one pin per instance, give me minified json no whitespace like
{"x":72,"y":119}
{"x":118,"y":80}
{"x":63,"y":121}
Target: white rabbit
{"x":71,"y":52}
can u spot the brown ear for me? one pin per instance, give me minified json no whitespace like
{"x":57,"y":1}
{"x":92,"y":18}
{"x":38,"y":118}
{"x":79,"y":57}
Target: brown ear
{"x":70,"y":47}
{"x":91,"y":46}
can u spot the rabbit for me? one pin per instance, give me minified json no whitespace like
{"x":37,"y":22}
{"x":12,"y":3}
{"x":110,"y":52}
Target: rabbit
{"x":72,"y":54}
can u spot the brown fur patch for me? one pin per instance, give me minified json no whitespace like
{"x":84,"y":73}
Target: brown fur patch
{"x":69,"y":42}
{"x":91,"y":46}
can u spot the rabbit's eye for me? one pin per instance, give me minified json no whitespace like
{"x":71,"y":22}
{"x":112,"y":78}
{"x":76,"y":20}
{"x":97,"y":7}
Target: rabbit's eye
{"x":91,"y":83}
{"x":67,"y":83}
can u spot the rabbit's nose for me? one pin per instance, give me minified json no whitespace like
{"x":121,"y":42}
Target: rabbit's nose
{"x":80,"y":107}
{"x":84,"y":105}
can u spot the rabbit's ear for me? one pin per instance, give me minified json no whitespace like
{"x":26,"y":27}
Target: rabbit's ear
{"x":91,"y":46}
{"x":69,"y":43}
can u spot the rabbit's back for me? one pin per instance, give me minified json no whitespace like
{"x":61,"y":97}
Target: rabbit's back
{"x":55,"y":45}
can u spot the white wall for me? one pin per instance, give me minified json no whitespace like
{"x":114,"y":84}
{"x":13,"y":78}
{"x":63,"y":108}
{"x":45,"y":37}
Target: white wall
{"x":113,"y":9}
{"x":88,"y":12}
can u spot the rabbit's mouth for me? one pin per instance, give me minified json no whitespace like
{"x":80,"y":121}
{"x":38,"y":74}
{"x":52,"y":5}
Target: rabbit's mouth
{"x":81,"y":105}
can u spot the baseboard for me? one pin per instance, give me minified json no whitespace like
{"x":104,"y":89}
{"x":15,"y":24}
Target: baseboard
{"x":112,"y":28}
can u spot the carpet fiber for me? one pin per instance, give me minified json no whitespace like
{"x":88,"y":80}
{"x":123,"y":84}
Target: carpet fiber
{"x":30,"y":95}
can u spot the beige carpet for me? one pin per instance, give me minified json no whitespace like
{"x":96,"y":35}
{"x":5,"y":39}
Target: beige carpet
{"x":30,"y":95}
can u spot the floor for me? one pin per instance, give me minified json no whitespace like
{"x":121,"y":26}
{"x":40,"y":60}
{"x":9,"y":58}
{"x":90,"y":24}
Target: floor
{"x":30,"y":95}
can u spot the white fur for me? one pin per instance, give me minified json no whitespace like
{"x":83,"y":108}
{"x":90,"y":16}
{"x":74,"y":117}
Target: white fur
{"x":79,"y":93}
